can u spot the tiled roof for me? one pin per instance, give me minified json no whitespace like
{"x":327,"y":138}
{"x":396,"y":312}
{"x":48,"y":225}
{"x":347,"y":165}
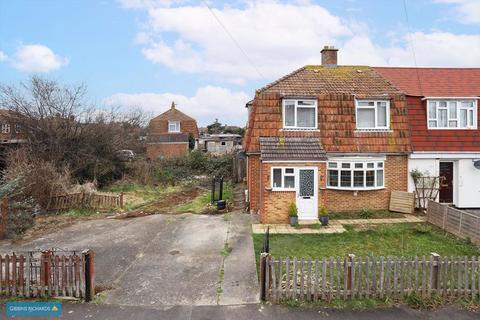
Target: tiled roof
{"x":172,"y":137}
{"x":274,"y":148}
{"x":312,"y":80}
{"x":434,"y":82}
{"x":173,"y":114}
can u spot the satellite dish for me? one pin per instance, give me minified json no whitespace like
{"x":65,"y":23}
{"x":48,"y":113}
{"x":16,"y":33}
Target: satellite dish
{"x":476,"y":164}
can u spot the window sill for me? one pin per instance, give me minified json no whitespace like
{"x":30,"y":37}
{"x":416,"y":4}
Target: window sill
{"x":356,"y":189}
{"x":300,"y":129}
{"x":452,"y":128}
{"x":373,"y":130}
{"x":281,"y":189}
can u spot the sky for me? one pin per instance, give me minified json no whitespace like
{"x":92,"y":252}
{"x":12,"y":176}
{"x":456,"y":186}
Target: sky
{"x":210,"y":56}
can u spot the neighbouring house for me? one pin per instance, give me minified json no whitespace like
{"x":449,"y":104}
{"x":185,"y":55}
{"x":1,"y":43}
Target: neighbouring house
{"x":10,"y":132}
{"x":326,"y":135}
{"x":171,"y":134}
{"x":221,"y":143}
{"x":443,"y":116}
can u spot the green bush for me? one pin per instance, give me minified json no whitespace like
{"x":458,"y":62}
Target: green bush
{"x":21,"y":207}
{"x":292,"y":210}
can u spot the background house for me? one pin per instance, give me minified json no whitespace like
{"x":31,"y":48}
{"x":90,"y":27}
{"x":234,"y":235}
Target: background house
{"x":11,"y":134}
{"x":221,"y":143}
{"x":172,"y":133}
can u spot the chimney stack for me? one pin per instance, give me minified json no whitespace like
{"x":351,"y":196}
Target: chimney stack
{"x":173,"y":105}
{"x":329,"y":56}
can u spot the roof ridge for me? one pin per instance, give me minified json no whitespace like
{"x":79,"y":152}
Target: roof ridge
{"x":271,"y":84}
{"x":438,"y":68}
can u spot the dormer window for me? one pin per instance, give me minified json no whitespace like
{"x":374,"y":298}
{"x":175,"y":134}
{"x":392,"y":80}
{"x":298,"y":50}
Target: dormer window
{"x":452,"y":114}
{"x":300,"y":114}
{"x":173,"y":126}
{"x":372,"y":114}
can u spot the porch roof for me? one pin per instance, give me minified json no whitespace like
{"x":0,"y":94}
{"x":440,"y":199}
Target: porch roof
{"x":291,"y":149}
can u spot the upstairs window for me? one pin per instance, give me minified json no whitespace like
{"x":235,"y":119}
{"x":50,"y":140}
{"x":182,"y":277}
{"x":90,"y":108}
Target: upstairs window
{"x":5,"y":128}
{"x":173,"y":126}
{"x":452,"y":114}
{"x":373,"y":114}
{"x":300,"y":114}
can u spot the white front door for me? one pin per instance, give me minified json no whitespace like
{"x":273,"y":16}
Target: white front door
{"x":307,"y":193}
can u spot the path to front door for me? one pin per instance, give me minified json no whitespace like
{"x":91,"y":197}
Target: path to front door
{"x":446,"y":189}
{"x":307,"y":193}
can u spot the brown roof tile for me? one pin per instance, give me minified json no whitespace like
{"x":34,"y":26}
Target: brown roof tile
{"x":274,"y":148}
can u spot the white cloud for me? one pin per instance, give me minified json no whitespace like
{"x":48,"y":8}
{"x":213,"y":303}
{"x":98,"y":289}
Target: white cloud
{"x":208,"y":103}
{"x":3,"y":56}
{"x":279,"y":37}
{"x":37,"y":58}
{"x":467,"y":10}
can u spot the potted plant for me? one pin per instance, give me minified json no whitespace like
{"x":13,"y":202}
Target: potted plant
{"x":323,"y":216}
{"x":293,"y":214}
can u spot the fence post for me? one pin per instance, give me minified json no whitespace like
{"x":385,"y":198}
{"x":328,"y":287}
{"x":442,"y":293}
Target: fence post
{"x":350,"y":258}
{"x":121,"y":200}
{"x":263,"y":275}
{"x":89,"y":258}
{"x":3,"y":217}
{"x":435,"y":274}
{"x":46,"y":270}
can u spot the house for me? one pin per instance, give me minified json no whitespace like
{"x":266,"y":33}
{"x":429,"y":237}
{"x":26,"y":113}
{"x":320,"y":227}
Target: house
{"x":326,"y":135}
{"x":170,"y":134}
{"x":443,"y":114}
{"x":10,"y":131}
{"x":221,"y":143}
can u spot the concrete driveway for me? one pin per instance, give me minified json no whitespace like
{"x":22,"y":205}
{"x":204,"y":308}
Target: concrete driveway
{"x":165,"y":260}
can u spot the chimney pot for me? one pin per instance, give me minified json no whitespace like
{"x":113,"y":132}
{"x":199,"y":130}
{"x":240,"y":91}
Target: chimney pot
{"x":329,"y":56}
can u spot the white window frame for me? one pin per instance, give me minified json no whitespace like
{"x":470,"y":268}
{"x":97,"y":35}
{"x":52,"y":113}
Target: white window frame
{"x":6,"y":128}
{"x":458,"y":104}
{"x":375,"y":102}
{"x":176,"y":123}
{"x":295,"y":101}
{"x":378,"y":165}
{"x":284,"y":174}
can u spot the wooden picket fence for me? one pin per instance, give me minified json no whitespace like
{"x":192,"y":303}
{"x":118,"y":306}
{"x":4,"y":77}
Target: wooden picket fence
{"x":47,"y":274}
{"x":85,"y":200}
{"x":351,"y":277}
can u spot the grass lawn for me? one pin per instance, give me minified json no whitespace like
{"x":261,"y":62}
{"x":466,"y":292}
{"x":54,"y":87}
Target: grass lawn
{"x":200,"y":203}
{"x":406,"y":240}
{"x":365,"y":214}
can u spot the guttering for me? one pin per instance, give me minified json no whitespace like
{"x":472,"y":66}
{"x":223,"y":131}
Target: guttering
{"x":449,"y":98}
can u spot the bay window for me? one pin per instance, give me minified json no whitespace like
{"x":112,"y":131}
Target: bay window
{"x":355,"y":175}
{"x":452,"y":114}
{"x":283,"y":179}
{"x":372,"y":114}
{"x":300,"y":114}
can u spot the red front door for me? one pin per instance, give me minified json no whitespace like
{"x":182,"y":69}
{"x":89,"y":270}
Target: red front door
{"x":446,"y":189}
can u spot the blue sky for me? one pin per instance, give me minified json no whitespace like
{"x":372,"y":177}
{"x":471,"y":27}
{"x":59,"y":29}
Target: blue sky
{"x":145,"y":53}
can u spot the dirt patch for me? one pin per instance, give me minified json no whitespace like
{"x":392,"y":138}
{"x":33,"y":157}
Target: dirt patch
{"x":165,"y":205}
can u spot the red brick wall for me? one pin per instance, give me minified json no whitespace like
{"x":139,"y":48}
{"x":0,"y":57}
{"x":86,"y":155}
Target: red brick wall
{"x":396,"y":173}
{"x":155,"y":150}
{"x":274,"y":207}
{"x":253,"y":182}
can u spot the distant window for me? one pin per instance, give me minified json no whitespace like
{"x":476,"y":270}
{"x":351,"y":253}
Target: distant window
{"x":373,"y":114}
{"x":18,"y":128}
{"x":452,"y":114}
{"x":5,"y":128}
{"x":300,"y":114}
{"x":223,"y":143}
{"x":173,"y":126}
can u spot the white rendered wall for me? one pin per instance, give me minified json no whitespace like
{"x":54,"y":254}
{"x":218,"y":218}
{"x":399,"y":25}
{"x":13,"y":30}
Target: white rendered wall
{"x":468,"y":185}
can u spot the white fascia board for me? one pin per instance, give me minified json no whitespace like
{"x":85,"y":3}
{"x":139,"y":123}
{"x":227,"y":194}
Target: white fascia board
{"x":445,"y":155}
{"x":358,"y":158}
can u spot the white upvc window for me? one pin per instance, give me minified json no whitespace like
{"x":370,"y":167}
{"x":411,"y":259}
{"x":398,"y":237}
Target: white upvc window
{"x":283,"y":179}
{"x":5,"y":128}
{"x":356,"y":175}
{"x":300,"y":114}
{"x":372,"y":114}
{"x":173,"y":126}
{"x":452,"y":114}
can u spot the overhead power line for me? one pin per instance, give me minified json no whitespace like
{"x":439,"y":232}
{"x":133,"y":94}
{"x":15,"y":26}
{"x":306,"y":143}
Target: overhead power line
{"x":409,"y":39}
{"x":249,"y":60}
